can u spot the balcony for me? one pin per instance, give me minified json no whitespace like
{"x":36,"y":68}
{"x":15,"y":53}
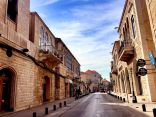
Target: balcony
{"x":126,"y":51}
{"x":114,"y":69}
{"x":50,"y":55}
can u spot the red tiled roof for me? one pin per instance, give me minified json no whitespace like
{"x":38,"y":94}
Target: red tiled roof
{"x":104,"y":80}
{"x":91,"y":72}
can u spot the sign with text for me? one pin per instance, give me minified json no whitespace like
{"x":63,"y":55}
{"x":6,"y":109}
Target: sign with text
{"x":141,"y":62}
{"x":142,"y":71}
{"x":152,"y":58}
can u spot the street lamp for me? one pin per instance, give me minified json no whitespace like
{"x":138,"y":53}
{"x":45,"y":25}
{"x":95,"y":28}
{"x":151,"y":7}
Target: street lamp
{"x":24,"y":50}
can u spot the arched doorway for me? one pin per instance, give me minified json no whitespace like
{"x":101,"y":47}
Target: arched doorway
{"x":128,"y":82}
{"x":7,"y":86}
{"x":122,"y":83}
{"x":46,"y":89}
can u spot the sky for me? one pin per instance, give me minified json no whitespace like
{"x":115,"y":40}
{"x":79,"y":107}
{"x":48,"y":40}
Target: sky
{"x":85,"y":26}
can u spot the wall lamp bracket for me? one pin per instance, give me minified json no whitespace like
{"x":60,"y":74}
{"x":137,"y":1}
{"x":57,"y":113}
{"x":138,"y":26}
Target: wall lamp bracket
{"x":25,"y":50}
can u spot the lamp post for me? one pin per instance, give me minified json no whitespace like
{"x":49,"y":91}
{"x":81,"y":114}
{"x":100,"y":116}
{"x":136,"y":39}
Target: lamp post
{"x":134,"y":99}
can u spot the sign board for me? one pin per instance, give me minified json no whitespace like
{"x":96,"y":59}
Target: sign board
{"x":141,"y":62}
{"x":142,"y":71}
{"x":152,"y":58}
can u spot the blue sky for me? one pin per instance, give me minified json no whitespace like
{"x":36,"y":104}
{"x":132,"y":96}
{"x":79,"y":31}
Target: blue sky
{"x":86,"y":27}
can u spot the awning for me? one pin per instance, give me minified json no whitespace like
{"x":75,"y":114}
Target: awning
{"x":68,"y":81}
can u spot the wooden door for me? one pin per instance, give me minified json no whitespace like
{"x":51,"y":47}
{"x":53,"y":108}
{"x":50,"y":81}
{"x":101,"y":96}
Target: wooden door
{"x":4,"y":93}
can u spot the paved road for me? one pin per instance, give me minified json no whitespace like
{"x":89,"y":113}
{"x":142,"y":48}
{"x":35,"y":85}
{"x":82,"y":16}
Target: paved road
{"x":97,"y":105}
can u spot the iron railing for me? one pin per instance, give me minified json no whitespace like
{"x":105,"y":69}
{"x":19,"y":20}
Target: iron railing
{"x":49,"y":49}
{"x":124,"y":45}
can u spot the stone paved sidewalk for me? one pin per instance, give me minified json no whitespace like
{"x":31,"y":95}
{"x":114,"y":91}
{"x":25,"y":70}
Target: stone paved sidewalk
{"x":40,"y":110}
{"x":138,"y":107}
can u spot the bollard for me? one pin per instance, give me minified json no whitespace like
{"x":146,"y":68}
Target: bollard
{"x":65,"y":104}
{"x":144,"y":107}
{"x":34,"y":114}
{"x":60,"y":104}
{"x":54,"y":107}
{"x":154,"y":112}
{"x":123,"y":99}
{"x":46,"y":111}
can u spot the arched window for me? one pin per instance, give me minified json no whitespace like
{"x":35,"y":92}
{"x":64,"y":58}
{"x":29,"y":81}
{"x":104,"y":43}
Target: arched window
{"x":41,"y":40}
{"x":46,"y":37}
{"x":47,"y":42}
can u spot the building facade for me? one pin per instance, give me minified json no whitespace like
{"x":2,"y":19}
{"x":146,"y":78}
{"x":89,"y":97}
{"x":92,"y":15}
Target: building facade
{"x":136,"y":42}
{"x":33,"y":62}
{"x":92,"y":79}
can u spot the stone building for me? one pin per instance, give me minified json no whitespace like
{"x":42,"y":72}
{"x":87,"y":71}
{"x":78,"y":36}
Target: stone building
{"x":136,"y":42}
{"x":92,"y":78}
{"x":152,"y":17}
{"x":33,"y":62}
{"x":114,"y":64}
{"x":105,"y":85}
{"x":86,"y":82}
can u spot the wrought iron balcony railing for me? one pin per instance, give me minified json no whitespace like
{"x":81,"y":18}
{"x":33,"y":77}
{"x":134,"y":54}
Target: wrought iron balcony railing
{"x":50,"y":55}
{"x":126,"y":50}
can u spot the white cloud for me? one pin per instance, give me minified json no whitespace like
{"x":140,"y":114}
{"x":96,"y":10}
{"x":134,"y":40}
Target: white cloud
{"x":92,"y":50}
{"x":89,"y":32}
{"x":39,"y":3}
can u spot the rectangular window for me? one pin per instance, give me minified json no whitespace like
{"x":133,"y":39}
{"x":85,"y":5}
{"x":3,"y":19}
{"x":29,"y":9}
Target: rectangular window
{"x":133,"y":26}
{"x":12,"y":9}
{"x":78,"y":70}
{"x":69,"y":61}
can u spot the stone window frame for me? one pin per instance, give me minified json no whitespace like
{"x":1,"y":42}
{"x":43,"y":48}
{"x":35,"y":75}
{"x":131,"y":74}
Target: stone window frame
{"x":12,"y":10}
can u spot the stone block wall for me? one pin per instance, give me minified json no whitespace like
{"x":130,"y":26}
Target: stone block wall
{"x":28,"y":80}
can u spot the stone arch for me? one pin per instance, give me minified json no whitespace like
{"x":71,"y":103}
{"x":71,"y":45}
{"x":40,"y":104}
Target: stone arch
{"x":122,"y":82}
{"x":8,"y":71}
{"x":119,"y":83}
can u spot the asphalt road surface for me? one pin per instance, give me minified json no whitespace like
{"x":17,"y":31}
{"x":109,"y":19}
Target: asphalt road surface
{"x":98,"y":105}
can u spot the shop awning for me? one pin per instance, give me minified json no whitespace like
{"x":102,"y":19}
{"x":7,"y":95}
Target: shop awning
{"x":68,"y":81}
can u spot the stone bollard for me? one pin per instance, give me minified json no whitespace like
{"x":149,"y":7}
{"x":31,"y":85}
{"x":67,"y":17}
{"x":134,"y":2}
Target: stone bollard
{"x":65,"y":103}
{"x":46,"y":111}
{"x":154,"y":112}
{"x":60,"y":105}
{"x":54,"y":107}
{"x":144,"y":107}
{"x":34,"y":114}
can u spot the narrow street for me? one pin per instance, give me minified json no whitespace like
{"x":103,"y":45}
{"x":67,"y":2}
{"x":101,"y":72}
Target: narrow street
{"x":97,"y":105}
